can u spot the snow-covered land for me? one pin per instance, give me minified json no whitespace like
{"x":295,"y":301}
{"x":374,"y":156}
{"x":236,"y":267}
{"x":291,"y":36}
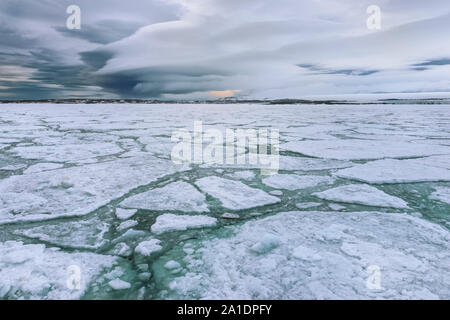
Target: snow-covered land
{"x":92,"y":206}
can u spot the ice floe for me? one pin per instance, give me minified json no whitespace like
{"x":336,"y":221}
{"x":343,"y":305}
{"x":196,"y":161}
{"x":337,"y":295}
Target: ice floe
{"x":75,"y":191}
{"x":362,"y":194}
{"x":355,"y":149}
{"x":35,"y":272}
{"x":394,"y":171}
{"x":295,"y":182}
{"x":311,"y":164}
{"x":171,"y":222}
{"x":122,"y":250}
{"x":118,"y":284}
{"x":306,"y":205}
{"x":87,"y":234}
{"x":147,"y":247}
{"x":124,"y":214}
{"x":126,"y":225}
{"x":242,"y":175}
{"x":235,"y":195}
{"x":176,"y":196}
{"x":320,"y":255}
{"x":43,"y":167}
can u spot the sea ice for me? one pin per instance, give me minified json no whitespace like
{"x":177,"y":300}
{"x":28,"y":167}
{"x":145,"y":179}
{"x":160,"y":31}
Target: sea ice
{"x":267,"y":244}
{"x":305,"y":253}
{"x":242,"y":175}
{"x":13,"y":167}
{"x":42,"y":167}
{"x":75,"y":191}
{"x":394,"y":171}
{"x":122,"y":250}
{"x":336,"y":207}
{"x":235,"y":195}
{"x":355,"y":149}
{"x":179,"y":196}
{"x":86,"y":234}
{"x":311,"y":164}
{"x":172,"y":222}
{"x":172,"y":265}
{"x":362,"y":194}
{"x":118,"y":284}
{"x":442,"y":194}
{"x":306,"y":205}
{"x":146,"y":248}
{"x":35,"y":272}
{"x":307,"y":264}
{"x":124,"y":214}
{"x":295,"y":182}
{"x":126,"y":225}
{"x":67,"y":152}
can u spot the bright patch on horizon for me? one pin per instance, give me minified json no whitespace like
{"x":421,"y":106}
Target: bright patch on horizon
{"x":224,"y":93}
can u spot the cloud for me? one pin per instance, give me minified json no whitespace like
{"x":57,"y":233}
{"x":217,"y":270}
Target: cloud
{"x":214,"y":48}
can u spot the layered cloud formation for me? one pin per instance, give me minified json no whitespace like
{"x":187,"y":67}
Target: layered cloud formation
{"x":206,"y":49}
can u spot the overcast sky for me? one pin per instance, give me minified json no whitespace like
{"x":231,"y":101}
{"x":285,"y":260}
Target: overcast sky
{"x":206,"y":49}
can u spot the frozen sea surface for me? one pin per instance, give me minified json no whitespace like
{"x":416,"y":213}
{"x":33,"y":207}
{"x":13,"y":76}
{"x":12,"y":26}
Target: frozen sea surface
{"x":92,"y":190}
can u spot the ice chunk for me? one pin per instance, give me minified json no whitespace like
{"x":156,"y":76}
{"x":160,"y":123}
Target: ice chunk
{"x":434,"y":161}
{"x":180,"y":196}
{"x":228,"y":215}
{"x":355,"y":149}
{"x":130,"y":234}
{"x":442,"y":194}
{"x":172,"y":265}
{"x":394,"y":171}
{"x":118,"y":284}
{"x":336,"y":207}
{"x":172,"y":222}
{"x":36,"y":272}
{"x":295,"y":182}
{"x":126,"y":225}
{"x":87,"y":234}
{"x":234,"y":194}
{"x":320,"y":254}
{"x":122,"y":250}
{"x":146,"y":248}
{"x":125,"y":214}
{"x":362,"y":194}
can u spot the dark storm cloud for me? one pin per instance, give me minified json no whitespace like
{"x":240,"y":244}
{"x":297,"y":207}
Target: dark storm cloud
{"x":348,"y":72}
{"x":439,"y":62}
{"x":96,"y":59}
{"x":156,"y":81}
